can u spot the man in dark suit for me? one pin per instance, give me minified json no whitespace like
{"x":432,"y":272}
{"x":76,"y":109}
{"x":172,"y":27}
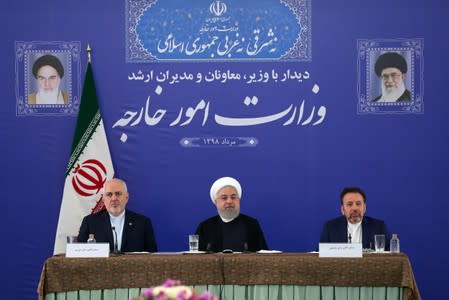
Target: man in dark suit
{"x":229,"y":230}
{"x":124,"y":230}
{"x":353,"y":226}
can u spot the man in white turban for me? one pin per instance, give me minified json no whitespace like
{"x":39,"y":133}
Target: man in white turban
{"x":229,"y":230}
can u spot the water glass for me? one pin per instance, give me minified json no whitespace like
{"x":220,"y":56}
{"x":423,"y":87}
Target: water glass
{"x":379,"y":242}
{"x":193,"y":242}
{"x":71,"y":239}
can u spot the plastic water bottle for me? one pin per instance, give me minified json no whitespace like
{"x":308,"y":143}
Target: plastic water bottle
{"x":91,"y":238}
{"x":394,"y":244}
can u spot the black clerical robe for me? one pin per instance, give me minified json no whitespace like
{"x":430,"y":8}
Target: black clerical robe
{"x":241,"y":234}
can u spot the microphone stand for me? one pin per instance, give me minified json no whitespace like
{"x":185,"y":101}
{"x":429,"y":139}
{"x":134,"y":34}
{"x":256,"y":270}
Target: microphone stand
{"x":116,"y":251}
{"x":245,"y":248}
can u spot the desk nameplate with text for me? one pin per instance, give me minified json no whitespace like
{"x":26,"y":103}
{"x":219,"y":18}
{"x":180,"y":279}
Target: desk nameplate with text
{"x":340,"y":250}
{"x":87,"y":250}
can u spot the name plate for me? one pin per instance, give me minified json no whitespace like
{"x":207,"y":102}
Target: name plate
{"x":87,"y":250}
{"x":340,"y":250}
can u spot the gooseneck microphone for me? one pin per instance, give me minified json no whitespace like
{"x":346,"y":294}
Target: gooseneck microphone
{"x":209,"y":248}
{"x":115,"y":240}
{"x":349,"y":238}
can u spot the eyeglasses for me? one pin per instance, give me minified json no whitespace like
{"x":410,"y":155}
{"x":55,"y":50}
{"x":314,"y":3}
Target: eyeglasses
{"x":226,"y":197}
{"x":117,"y":194}
{"x":393,"y":76}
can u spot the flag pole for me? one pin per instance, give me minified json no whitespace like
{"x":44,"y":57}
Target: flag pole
{"x":89,"y":165}
{"x":88,"y":49}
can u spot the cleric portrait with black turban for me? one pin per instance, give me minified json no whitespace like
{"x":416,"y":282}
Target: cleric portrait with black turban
{"x":48,"y":71}
{"x":391,"y":68}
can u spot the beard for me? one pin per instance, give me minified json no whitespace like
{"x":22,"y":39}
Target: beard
{"x":392,"y":93}
{"x":229,"y":213}
{"x":47,"y":97}
{"x":355,"y":217}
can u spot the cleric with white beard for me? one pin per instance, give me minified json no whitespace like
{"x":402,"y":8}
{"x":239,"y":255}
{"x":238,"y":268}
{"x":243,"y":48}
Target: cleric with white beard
{"x":391,"y":68}
{"x":48,"y":72}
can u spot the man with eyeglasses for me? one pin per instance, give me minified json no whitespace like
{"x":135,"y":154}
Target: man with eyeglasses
{"x":391,"y":68}
{"x":229,"y":230}
{"x":124,"y":230}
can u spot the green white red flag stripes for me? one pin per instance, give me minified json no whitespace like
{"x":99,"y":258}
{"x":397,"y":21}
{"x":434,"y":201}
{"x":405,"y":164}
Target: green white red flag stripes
{"x":90,"y":165}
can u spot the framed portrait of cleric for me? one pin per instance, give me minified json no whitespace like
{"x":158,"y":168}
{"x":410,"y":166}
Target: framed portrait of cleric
{"x":47,"y":78}
{"x":390,"y":76}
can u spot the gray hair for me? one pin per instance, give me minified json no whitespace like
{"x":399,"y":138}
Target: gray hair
{"x":121,"y":181}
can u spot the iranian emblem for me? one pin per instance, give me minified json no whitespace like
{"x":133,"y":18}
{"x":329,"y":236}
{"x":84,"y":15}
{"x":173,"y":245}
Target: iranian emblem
{"x":218,"y":8}
{"x":89,"y":177}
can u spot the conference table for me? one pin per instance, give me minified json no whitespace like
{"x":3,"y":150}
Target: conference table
{"x":232,"y":276}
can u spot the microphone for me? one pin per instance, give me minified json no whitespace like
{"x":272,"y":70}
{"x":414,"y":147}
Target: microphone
{"x":349,"y":238}
{"x":115,"y":240}
{"x":209,"y":248}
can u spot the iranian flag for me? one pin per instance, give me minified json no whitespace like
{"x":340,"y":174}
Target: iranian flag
{"x":89,"y":166}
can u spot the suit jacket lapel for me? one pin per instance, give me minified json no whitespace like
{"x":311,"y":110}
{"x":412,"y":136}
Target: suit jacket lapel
{"x":366,"y":233}
{"x":127,"y":227}
{"x":107,"y":228}
{"x":343,"y":230}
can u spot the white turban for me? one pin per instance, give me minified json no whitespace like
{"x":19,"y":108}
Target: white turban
{"x":221,"y":183}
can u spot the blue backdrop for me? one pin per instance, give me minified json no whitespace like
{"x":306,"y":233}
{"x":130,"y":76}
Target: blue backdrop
{"x":294,"y":173}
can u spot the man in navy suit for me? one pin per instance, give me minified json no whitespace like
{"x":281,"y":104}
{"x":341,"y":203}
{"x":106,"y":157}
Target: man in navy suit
{"x":353,"y":226}
{"x":124,"y":230}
